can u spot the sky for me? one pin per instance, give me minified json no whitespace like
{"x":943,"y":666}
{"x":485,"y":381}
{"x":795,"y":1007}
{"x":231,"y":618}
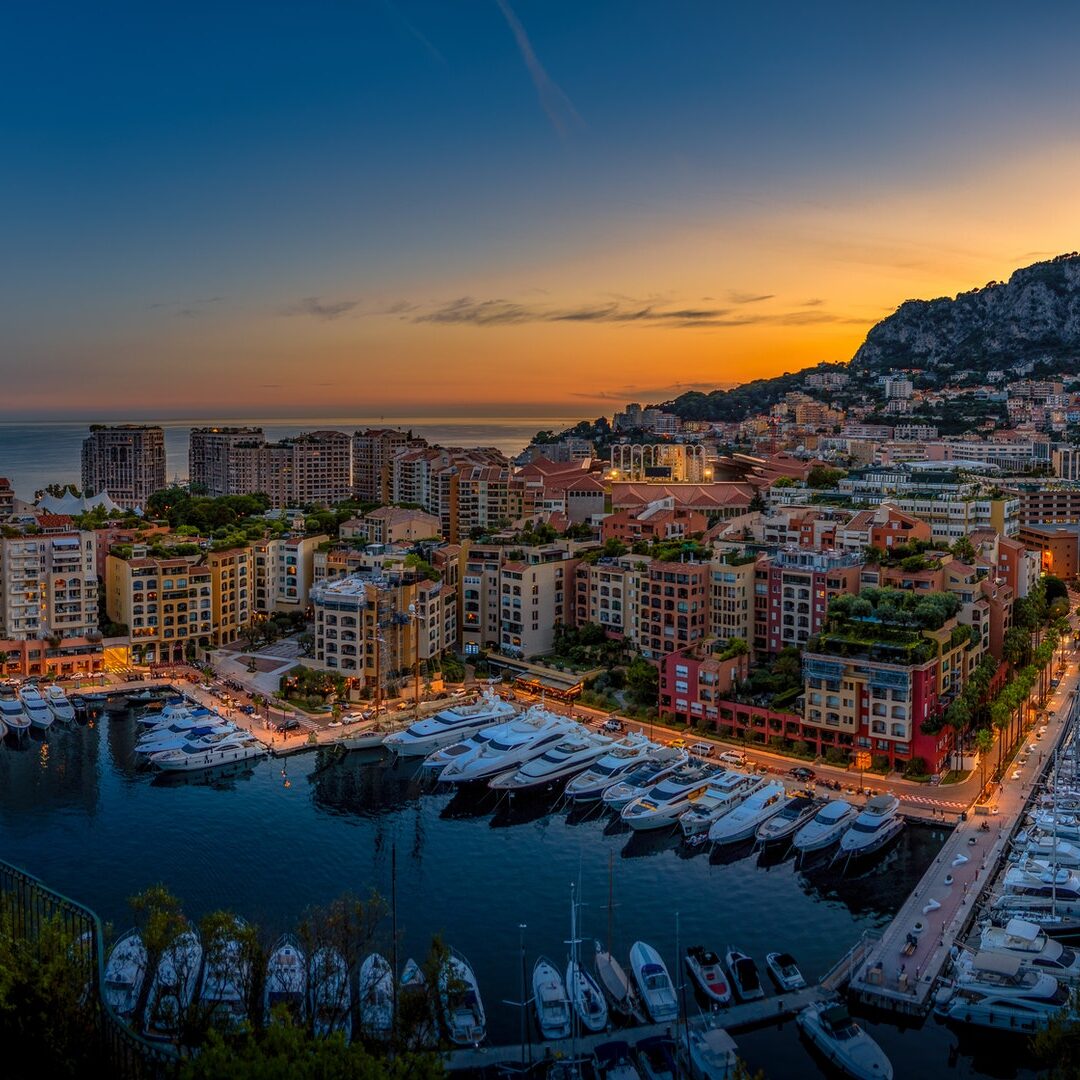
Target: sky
{"x":503,"y":207}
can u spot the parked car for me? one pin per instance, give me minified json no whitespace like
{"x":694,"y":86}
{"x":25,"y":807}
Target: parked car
{"x":613,"y":724}
{"x":732,"y":757}
{"x":460,"y":692}
{"x":702,"y":749}
{"x":801,"y":772}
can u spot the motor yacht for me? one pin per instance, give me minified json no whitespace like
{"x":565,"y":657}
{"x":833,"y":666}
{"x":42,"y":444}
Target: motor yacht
{"x":57,"y":701}
{"x":572,"y":754}
{"x":173,"y":987}
{"x":449,"y":726}
{"x":1057,"y":823}
{"x":225,"y":983}
{"x":784,"y":971}
{"x":843,"y":1043}
{"x":550,"y":1000}
{"x":708,"y":973}
{"x":653,"y":982}
{"x":648,"y":774}
{"x":1033,"y":945}
{"x":877,"y":823}
{"x":613,"y":1061}
{"x":743,"y":821}
{"x":745,"y":977}
{"x":462,"y":1007}
{"x":331,"y":994}
{"x":708,"y":1050}
{"x":174,"y":710}
{"x":12,"y":715}
{"x":723,"y":794}
{"x":125,"y":971}
{"x":286,"y":980}
{"x":662,"y":805}
{"x":796,"y":813}
{"x":1035,"y":880}
{"x":994,"y":990}
{"x":500,"y":748}
{"x":586,"y":997}
{"x":190,"y":722}
{"x":158,"y":742}
{"x":206,"y":753}
{"x":623,"y":758}
{"x":375,"y":997}
{"x":39,"y":714}
{"x":825,"y":827}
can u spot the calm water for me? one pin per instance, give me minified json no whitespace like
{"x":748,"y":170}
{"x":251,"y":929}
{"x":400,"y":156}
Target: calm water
{"x":33,"y":455}
{"x":81,"y":816}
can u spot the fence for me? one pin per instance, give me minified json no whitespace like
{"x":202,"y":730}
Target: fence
{"x":30,"y":906}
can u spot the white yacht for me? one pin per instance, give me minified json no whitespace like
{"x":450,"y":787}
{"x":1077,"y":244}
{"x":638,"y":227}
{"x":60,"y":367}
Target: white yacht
{"x":181,"y":710}
{"x":571,"y":754}
{"x":173,"y":987}
{"x":179,"y":723}
{"x":654,"y":982}
{"x":1036,"y":881}
{"x":625,"y":756}
{"x":1058,"y":823}
{"x":286,"y":980}
{"x":1035,"y":948}
{"x":877,"y":823}
{"x":449,"y":726}
{"x":500,"y":747}
{"x":225,"y":982}
{"x":586,"y":997}
{"x":550,"y":1000}
{"x":796,"y":813}
{"x":1050,"y":849}
{"x":648,"y":774}
{"x":825,"y":827}
{"x":709,"y":1051}
{"x":58,"y":702}
{"x":124,"y":974}
{"x":462,"y":1007}
{"x":375,"y":1002}
{"x":846,"y":1046}
{"x":209,"y":752}
{"x":742,"y":822}
{"x":157,"y":742}
{"x":661,"y":806}
{"x":39,"y":714}
{"x":998,"y":993}
{"x":13,"y":716}
{"x":331,"y":994}
{"x":723,"y":794}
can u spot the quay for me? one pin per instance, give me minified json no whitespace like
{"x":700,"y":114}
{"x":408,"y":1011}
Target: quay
{"x":899,"y":968}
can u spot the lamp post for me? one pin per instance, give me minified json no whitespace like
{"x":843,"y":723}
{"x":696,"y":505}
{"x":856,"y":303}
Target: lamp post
{"x":415,"y":616}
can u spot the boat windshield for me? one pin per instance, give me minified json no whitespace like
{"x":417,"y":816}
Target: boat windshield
{"x":867,"y":826}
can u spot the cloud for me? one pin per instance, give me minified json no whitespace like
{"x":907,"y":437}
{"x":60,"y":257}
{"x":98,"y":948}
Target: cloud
{"x":559,"y":108}
{"x":651,"y":393}
{"x":815,"y":302}
{"x":748,"y":298}
{"x":320,"y":309}
{"x":469,"y":312}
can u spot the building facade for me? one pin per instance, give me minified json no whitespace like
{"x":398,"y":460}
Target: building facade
{"x":127,"y":461}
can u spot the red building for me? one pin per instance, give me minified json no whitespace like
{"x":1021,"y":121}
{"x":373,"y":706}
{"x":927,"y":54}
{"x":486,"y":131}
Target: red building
{"x":660,"y":520}
{"x":693,"y":681}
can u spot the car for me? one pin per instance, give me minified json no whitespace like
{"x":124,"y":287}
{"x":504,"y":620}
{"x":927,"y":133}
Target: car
{"x":732,"y":757}
{"x":291,"y":724}
{"x":801,"y":772}
{"x":460,"y":692}
{"x":702,"y":749}
{"x":678,"y":744}
{"x":613,"y":723}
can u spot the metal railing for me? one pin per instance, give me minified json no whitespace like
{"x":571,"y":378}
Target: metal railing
{"x":30,"y":908}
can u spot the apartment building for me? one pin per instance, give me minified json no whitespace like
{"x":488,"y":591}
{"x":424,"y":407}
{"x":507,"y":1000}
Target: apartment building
{"x":1058,"y":504}
{"x":732,"y":579}
{"x":372,"y":451}
{"x":478,"y":619}
{"x":535,"y":592}
{"x":608,"y":593}
{"x":659,"y":520}
{"x":321,"y":468}
{"x":674,"y":607}
{"x":126,"y":461}
{"x":953,"y":516}
{"x":231,"y":583}
{"x":392,"y":525}
{"x":283,"y":571}
{"x":7,"y":498}
{"x":1058,"y":547}
{"x":694,"y":680}
{"x":225,"y":460}
{"x":488,"y":497}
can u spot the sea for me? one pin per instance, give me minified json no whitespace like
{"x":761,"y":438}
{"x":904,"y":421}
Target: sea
{"x":34,"y":454}
{"x":271,"y":840}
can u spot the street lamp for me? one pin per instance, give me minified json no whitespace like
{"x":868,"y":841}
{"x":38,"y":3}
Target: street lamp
{"x":415,"y":616}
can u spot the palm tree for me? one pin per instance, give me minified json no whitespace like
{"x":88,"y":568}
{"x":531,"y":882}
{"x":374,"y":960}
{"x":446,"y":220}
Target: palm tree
{"x":984,"y":743}
{"x":1001,"y":718}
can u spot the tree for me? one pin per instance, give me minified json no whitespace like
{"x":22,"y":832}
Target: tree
{"x":984,"y":743}
{"x":643,"y":682}
{"x":1016,"y":645}
{"x":964,"y":550}
{"x":1001,"y":718}
{"x":821,"y":476}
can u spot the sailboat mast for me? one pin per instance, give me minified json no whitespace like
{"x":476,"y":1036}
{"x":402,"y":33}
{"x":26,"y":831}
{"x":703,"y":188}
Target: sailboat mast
{"x":610,"y":900}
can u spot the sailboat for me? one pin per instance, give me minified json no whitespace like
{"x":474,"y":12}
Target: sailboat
{"x":613,"y":979}
{"x":586,"y":997}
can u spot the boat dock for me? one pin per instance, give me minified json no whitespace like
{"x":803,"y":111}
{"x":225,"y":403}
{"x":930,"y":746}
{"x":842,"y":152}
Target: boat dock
{"x":899,"y":969}
{"x":734,"y":1018}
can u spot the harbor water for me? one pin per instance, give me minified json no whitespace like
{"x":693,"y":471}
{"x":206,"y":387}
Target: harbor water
{"x":273,"y":839}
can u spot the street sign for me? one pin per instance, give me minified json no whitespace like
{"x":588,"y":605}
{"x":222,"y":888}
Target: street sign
{"x":862,"y":759}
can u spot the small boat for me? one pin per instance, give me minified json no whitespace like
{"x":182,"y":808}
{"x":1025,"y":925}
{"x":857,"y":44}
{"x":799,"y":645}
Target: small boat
{"x":876,"y":825}
{"x":825,"y":827}
{"x":586,"y":997}
{"x":39,"y":714}
{"x":124,"y":974}
{"x":550,"y":1000}
{"x":375,"y":997}
{"x":743,"y":822}
{"x":843,"y":1043}
{"x":58,"y":702}
{"x":653,"y":982}
{"x":173,"y":987}
{"x":116,"y":703}
{"x":784,"y":971}
{"x":225,"y":983}
{"x":613,"y":1061}
{"x":708,"y":1051}
{"x":796,"y":813}
{"x":744,"y":975}
{"x":462,"y":1008}
{"x":13,"y":716}
{"x":656,"y":1058}
{"x":286,"y":979}
{"x":331,"y":994}
{"x":706,"y":971}
{"x":617,"y":985}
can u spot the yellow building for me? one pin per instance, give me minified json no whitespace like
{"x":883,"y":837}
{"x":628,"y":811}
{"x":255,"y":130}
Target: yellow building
{"x":231,"y":584}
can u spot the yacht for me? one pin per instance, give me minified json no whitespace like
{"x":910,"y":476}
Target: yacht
{"x":39,"y":714}
{"x":179,"y":710}
{"x":173,"y":987}
{"x":375,"y":1003}
{"x":225,"y":983}
{"x":331,"y":994}
{"x":586,"y":997}
{"x":877,"y":823}
{"x":723,"y":794}
{"x":999,"y":994}
{"x":825,"y":827}
{"x":1033,"y":945}
{"x":158,"y":742}
{"x":623,"y":758}
{"x":742,"y":822}
{"x":639,"y":780}
{"x":286,"y":980}
{"x":550,"y":1000}
{"x":500,"y":747}
{"x":209,"y":752}
{"x":1035,"y":881}
{"x":179,"y":723}
{"x":662,"y":805}
{"x":745,"y":976}
{"x":1056,"y":823}
{"x":654,"y":982}
{"x":573,"y":753}
{"x":843,"y":1043}
{"x":709,"y":1051}
{"x":125,"y":971}
{"x":462,"y":1008}
{"x":449,"y":726}
{"x":613,"y":1061}
{"x":784,"y":971}
{"x":58,"y":702}
{"x":796,"y":813}
{"x":705,"y":969}
{"x":12,"y":715}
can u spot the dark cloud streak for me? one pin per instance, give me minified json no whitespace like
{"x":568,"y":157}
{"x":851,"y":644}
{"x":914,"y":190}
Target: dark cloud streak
{"x":315,"y":308}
